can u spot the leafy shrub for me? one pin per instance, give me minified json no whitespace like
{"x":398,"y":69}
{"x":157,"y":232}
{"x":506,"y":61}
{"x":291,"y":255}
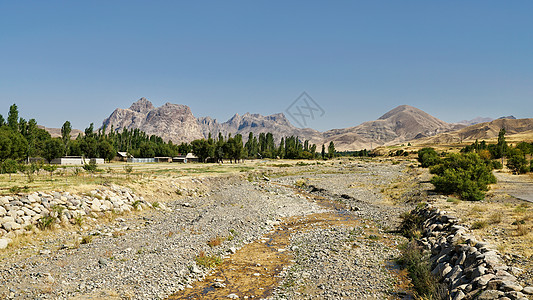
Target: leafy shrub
{"x":516,"y":161}
{"x":428,"y":157}
{"x":90,"y":167}
{"x":466,"y":175}
{"x":8,"y":166}
{"x":128,"y":169}
{"x":496,"y":164}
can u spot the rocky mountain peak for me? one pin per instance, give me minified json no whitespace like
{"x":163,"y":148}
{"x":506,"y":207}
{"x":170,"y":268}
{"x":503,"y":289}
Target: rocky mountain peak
{"x":142,"y":105}
{"x":173,"y":122}
{"x":401,"y":109}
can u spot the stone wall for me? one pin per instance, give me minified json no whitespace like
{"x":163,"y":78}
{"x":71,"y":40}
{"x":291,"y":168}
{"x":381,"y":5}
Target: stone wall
{"x":471,"y":269}
{"x":21,"y":214}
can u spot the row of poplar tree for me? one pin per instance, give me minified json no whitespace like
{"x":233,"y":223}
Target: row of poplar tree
{"x":21,"y":139}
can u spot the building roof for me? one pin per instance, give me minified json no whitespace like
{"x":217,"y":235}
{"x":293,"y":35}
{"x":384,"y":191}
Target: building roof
{"x":190,"y":155}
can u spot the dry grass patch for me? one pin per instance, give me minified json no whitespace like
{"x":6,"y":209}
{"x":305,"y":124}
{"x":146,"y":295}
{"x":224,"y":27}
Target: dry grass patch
{"x":495,"y":218}
{"x":214,"y":242}
{"x":521,"y":230}
{"x":480,"y":224}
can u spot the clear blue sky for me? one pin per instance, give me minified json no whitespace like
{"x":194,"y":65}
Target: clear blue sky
{"x":79,"y":60}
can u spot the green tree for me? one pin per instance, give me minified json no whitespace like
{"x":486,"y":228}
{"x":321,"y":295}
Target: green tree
{"x":323,"y":152}
{"x":5,"y":146}
{"x":106,"y":150}
{"x":8,"y":166}
{"x":201,"y":149}
{"x":2,"y":121}
{"x":65,"y":134}
{"x":13,"y":118}
{"x":18,"y":146}
{"x":501,"y":146}
{"x":516,"y":161}
{"x":281,"y":148}
{"x":147,"y":150}
{"x":89,"y":147}
{"x":54,"y":148}
{"x":331,"y":150}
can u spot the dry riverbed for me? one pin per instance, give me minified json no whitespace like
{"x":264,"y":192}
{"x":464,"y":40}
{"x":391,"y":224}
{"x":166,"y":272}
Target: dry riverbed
{"x":307,"y":232}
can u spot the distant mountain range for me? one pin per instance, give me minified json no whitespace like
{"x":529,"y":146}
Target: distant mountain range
{"x":478,"y":120}
{"x":481,"y":131}
{"x":404,"y":123}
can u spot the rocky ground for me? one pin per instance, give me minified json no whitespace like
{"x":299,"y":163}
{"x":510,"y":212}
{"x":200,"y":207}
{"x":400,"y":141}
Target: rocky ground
{"x":152,"y":254}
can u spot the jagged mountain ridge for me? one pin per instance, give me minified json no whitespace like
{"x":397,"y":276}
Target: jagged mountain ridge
{"x":177,"y":123}
{"x":278,"y":124}
{"x":173,"y":122}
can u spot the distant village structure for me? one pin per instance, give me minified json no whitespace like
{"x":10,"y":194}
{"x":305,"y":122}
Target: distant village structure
{"x":76,"y":160}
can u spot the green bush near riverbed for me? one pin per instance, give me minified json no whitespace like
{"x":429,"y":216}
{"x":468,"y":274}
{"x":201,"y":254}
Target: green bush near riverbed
{"x":466,"y":175}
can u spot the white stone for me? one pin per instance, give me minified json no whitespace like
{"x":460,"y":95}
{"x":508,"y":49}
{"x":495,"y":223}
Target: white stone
{"x":34,"y":198}
{"x":3,"y":211}
{"x":6,"y":219}
{"x":11,"y":226}
{"x":28,"y":211}
{"x":4,"y":200}
{"x":96,"y":205}
{"x":4,"y":243}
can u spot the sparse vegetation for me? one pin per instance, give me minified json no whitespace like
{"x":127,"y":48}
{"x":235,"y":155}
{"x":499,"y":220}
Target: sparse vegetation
{"x":453,"y":200}
{"x":418,"y":268}
{"x":46,"y":222}
{"x":301,"y":183}
{"x":214,"y":242}
{"x":521,"y":229}
{"x":411,"y":225}
{"x":208,"y":261}
{"x":480,"y":224}
{"x":496,"y":218}
{"x":87,"y":239}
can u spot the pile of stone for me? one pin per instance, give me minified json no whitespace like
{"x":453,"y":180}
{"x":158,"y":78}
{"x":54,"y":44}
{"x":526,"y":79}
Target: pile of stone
{"x":27,"y":213}
{"x":470,"y":269}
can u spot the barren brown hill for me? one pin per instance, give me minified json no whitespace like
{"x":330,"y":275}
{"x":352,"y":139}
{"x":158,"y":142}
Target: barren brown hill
{"x":56,"y":132}
{"x":399,"y":125}
{"x":482,"y":131}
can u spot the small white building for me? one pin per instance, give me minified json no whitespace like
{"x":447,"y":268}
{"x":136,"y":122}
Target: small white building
{"x":185,"y":158}
{"x":76,"y":160}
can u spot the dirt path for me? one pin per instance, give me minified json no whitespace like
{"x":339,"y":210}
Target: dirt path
{"x":518,"y":186}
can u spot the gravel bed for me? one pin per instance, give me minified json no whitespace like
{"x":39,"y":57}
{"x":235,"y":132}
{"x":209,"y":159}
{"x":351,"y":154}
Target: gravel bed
{"x":150,"y":255}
